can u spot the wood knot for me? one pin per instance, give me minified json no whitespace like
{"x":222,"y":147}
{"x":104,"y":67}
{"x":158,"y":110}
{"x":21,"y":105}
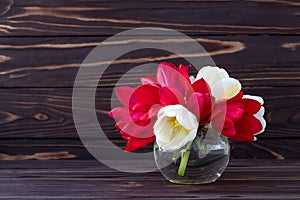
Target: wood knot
{"x":41,"y":117}
{"x":6,"y":117}
{"x":4,"y":58}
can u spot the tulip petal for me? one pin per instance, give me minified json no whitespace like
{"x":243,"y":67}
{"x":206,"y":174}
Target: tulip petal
{"x":219,"y":108}
{"x":153,"y":111}
{"x":224,"y":125}
{"x":212,"y":74}
{"x":170,"y":77}
{"x":135,"y":116}
{"x":259,"y":116}
{"x":226,"y":88}
{"x":237,"y":97}
{"x":248,"y":125}
{"x":125,"y":135}
{"x":196,"y":103}
{"x":201,"y":86}
{"x":251,"y":106}
{"x":171,"y":110}
{"x":235,"y":111}
{"x":122,"y":122}
{"x":148,"y":80}
{"x":181,"y":138}
{"x":145,"y":117}
{"x":167,"y":64}
{"x":257,"y":98}
{"x":147,"y":94}
{"x":170,"y":96}
{"x":119,"y":113}
{"x":138,"y":131}
{"x":205,"y":116}
{"x":124,"y":94}
{"x":165,"y":131}
{"x":243,"y":137}
{"x":162,"y":129}
{"x":136,"y":143}
{"x":187,"y":119}
{"x":184,"y":71}
{"x":140,"y":107}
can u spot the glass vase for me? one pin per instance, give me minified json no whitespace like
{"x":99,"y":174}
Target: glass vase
{"x":208,"y":156}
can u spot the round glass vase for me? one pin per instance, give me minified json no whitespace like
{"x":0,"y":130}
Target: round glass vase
{"x":207,"y":159}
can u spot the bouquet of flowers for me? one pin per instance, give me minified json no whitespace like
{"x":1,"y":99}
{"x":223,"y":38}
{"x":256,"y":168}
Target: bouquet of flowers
{"x":173,"y":108}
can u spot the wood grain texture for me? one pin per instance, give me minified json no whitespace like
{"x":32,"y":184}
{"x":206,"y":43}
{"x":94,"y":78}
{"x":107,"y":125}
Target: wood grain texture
{"x":53,"y":149}
{"x":77,"y":17}
{"x":54,"y":62}
{"x":47,"y":112}
{"x":57,"y":149}
{"x":38,"y":156}
{"x":258,"y":179}
{"x":42,"y":45}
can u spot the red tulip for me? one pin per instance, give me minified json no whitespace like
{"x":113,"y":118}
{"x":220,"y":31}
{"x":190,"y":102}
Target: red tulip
{"x":239,"y":118}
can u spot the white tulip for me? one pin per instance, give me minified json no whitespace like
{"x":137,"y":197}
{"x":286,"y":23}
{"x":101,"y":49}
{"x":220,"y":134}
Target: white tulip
{"x":221,"y":85}
{"x":175,"y":127}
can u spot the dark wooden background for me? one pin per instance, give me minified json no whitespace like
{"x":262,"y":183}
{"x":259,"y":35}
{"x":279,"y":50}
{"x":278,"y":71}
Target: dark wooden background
{"x":43,"y":43}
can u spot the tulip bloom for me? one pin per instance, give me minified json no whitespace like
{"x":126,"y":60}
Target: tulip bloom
{"x":221,"y":85}
{"x":175,"y":127}
{"x":242,"y":117}
{"x":137,"y":115}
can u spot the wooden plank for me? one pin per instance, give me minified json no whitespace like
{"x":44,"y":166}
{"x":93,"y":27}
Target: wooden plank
{"x":266,"y":148}
{"x":243,"y":179}
{"x":39,"y":149}
{"x":40,"y":18}
{"x":47,"y":112}
{"x":54,"y":62}
{"x":54,"y":149}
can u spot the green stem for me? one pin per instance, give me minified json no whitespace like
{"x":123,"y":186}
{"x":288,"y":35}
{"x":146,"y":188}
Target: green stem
{"x":185,"y":156}
{"x":184,"y":160}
